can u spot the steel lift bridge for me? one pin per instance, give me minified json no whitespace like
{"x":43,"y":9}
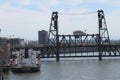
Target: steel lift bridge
{"x":87,"y":45}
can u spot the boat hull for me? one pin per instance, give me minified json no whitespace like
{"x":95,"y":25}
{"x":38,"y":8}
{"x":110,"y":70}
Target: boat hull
{"x":25,"y":69}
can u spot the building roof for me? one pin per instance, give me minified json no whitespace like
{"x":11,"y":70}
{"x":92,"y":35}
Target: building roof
{"x":77,"y":31}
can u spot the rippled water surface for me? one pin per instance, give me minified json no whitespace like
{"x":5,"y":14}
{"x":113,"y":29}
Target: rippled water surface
{"x":84,"y":69}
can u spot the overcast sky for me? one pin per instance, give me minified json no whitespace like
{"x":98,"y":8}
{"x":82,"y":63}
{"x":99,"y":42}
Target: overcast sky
{"x":24,"y":18}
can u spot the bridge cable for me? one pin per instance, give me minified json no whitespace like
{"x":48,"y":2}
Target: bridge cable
{"x":77,"y":13}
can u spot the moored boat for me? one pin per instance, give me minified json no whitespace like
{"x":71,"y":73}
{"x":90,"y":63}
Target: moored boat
{"x":23,"y":69}
{"x":25,"y":61}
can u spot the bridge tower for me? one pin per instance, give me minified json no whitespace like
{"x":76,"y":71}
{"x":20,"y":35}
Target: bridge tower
{"x":102,"y":38}
{"x":103,"y":35}
{"x":53,"y":34}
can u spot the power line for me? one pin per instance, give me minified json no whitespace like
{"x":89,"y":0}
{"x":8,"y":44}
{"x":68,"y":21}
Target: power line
{"x":87,"y":13}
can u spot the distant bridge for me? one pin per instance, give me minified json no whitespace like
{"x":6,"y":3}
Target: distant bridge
{"x":86,"y":45}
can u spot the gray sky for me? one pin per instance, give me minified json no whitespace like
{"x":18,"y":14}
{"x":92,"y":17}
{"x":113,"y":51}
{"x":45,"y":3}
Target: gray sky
{"x":24,"y":18}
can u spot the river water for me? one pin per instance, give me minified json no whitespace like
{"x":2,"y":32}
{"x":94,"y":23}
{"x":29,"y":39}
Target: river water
{"x":72,"y":69}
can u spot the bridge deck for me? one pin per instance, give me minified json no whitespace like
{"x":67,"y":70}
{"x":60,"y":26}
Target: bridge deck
{"x":75,"y":51}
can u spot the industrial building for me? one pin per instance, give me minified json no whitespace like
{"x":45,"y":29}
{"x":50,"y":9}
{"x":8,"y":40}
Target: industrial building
{"x":15,"y":41}
{"x":42,"y":37}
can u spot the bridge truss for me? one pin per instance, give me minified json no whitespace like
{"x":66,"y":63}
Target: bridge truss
{"x":86,"y":45}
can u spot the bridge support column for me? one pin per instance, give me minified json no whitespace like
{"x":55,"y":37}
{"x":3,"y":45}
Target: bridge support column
{"x":100,"y":52}
{"x":57,"y":58}
{"x":100,"y":56}
{"x":57,"y":48}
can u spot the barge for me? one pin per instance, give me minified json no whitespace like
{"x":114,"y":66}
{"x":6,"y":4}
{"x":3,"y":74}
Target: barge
{"x":25,"y":60}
